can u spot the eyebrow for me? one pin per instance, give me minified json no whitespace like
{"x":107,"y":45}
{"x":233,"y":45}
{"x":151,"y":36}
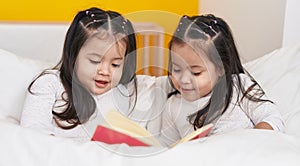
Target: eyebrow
{"x":95,"y":54}
{"x":100,"y":56}
{"x":196,"y":66}
{"x":192,"y":67}
{"x":119,"y":58}
{"x":175,"y":64}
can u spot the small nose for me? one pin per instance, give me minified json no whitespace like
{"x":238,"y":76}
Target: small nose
{"x":186,"y":77}
{"x":103,"y":69}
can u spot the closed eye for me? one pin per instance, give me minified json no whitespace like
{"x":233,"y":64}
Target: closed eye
{"x":94,"y":61}
{"x":116,"y":65}
{"x":176,"y":70}
{"x":196,"y":73}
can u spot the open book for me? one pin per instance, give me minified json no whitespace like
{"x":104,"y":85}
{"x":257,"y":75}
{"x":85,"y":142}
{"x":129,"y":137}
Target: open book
{"x":120,"y":129}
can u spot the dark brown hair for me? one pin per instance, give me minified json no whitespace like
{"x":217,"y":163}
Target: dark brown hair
{"x":213,"y":36}
{"x":79,"y":103}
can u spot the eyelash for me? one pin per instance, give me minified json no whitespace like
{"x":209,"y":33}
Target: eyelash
{"x":97,"y":62}
{"x":94,"y":62}
{"x":178,"y":71}
{"x":196,"y":74}
{"x":116,"y":65}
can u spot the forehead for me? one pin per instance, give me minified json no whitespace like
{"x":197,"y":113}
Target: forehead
{"x":183,"y":53}
{"x":102,"y":45}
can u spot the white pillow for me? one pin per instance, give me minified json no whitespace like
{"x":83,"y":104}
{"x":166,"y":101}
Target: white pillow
{"x":16,"y":74}
{"x":278,"y":74}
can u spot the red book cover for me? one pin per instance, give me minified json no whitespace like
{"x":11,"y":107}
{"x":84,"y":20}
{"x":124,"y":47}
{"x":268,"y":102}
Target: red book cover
{"x":110,"y":136}
{"x":203,"y":133}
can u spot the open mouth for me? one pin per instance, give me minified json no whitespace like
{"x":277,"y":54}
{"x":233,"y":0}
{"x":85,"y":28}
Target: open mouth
{"x":101,"y":83}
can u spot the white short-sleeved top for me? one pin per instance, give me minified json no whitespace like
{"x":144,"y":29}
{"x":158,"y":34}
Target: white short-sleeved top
{"x":48,"y":89}
{"x":246,"y":115}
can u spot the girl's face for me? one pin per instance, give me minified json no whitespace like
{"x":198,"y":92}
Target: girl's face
{"x":99,"y":64}
{"x":193,"y":75}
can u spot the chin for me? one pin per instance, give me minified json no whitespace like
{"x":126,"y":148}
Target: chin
{"x":100,"y":92}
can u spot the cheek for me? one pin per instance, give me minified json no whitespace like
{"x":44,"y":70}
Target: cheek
{"x":174,"y":81}
{"x":117,"y":74}
{"x":86,"y":68}
{"x":204,"y":85}
{"x":80,"y":72}
{"x":175,"y":76}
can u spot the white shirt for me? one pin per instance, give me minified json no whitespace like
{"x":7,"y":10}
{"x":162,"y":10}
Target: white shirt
{"x":246,"y":115}
{"x":151,"y":96}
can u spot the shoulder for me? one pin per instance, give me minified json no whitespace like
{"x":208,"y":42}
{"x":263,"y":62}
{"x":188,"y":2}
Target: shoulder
{"x":243,"y":77}
{"x":49,"y":75}
{"x":246,"y":80}
{"x":49,"y":79}
{"x":151,"y":90}
{"x":145,"y":82}
{"x":150,"y":80}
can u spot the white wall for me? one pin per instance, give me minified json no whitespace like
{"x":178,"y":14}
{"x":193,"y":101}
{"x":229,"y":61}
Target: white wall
{"x":33,"y":40}
{"x":257,"y":25}
{"x":291,"y":34}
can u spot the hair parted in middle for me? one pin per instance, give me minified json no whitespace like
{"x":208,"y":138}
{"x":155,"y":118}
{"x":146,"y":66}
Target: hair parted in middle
{"x":79,"y":103}
{"x":211,"y":36}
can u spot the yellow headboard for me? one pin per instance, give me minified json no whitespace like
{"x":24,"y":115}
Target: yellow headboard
{"x":163,"y":13}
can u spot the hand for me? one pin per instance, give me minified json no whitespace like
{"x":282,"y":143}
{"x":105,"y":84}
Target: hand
{"x":263,"y":125}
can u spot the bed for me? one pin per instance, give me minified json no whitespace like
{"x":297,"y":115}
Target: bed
{"x":277,"y":72}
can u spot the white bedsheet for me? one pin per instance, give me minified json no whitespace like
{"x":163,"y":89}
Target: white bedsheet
{"x":242,"y":147}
